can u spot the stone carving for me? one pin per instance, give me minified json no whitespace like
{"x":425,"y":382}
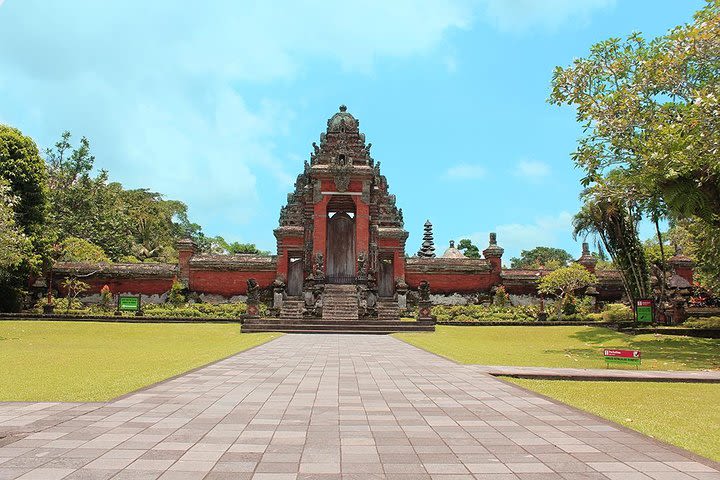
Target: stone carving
{"x":362,"y":265}
{"x":278,"y":287}
{"x":341,"y":169}
{"x":253,"y":299}
{"x":424,"y":291}
{"x":318,"y":266}
{"x":253,"y":293}
{"x":424,"y":304}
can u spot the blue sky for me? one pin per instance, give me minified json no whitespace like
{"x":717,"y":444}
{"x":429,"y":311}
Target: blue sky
{"x":217,"y":103}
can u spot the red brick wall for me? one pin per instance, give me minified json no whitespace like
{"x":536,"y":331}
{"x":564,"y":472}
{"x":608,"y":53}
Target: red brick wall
{"x":227,"y":283}
{"x":451,"y":282}
{"x":146,"y":286}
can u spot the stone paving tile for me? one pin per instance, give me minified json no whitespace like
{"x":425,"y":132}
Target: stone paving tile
{"x":331,"y":407}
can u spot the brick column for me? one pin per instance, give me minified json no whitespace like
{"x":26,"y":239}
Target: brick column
{"x":186,"y":249}
{"x":320,"y":228}
{"x":362,"y":226}
{"x":683,"y":265}
{"x":493,"y":254}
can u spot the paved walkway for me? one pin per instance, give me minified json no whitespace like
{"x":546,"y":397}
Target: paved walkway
{"x":332,"y":407}
{"x":694,"y":376}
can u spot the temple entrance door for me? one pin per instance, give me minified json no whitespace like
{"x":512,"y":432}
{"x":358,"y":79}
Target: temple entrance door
{"x":295,"y":276}
{"x":386,"y":284}
{"x":341,"y":248}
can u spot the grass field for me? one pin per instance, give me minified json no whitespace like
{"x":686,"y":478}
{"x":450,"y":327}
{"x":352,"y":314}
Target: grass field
{"x":684,"y":414}
{"x":572,"y":347}
{"x":89,"y":361}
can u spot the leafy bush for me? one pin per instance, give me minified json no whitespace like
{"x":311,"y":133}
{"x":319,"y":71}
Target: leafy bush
{"x":175,"y":295}
{"x":612,"y":313}
{"x":482,"y":313}
{"x":707,"y":322}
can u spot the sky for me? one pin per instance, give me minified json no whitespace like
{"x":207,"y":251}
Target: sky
{"x":217,"y":103}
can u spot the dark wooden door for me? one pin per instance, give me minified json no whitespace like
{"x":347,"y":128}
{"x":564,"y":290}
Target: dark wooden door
{"x":386,"y":279}
{"x":295,"y":277}
{"x":341,"y":248}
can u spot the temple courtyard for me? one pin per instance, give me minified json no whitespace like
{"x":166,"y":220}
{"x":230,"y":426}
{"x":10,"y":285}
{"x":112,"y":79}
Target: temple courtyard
{"x":331,"y":407}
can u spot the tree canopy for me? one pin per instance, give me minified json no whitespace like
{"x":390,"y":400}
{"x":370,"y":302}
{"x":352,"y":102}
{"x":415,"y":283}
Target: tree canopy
{"x":541,"y":257}
{"x":468,"y":248}
{"x":653,"y":132}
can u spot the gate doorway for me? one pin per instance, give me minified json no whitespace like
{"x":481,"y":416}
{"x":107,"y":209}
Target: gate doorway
{"x":341,"y":248}
{"x":296,"y":273}
{"x":386,"y":277}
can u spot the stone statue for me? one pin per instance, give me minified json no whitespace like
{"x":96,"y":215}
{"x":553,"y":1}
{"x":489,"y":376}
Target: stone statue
{"x":361,"y":264}
{"x":424,"y":291}
{"x":253,"y":292}
{"x":424,"y":304}
{"x":318,"y":270}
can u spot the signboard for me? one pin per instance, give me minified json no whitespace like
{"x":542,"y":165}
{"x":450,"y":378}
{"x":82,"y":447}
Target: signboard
{"x":644,"y":311}
{"x":128,"y":303}
{"x":624,"y":357}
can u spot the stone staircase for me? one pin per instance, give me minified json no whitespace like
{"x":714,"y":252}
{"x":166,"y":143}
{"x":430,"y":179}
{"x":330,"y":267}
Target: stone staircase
{"x":292,"y":309}
{"x":388,"y":310}
{"x":318,"y":325}
{"x":340,"y":303}
{"x":340,"y":315}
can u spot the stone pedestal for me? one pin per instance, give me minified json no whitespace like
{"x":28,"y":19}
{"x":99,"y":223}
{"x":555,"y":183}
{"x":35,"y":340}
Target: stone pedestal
{"x":424,"y":309}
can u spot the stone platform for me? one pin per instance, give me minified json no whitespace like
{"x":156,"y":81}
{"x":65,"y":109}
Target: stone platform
{"x":331,"y":407}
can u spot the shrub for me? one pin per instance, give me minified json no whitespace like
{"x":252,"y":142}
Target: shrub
{"x":501,"y":298}
{"x":613,"y":313}
{"x":707,"y":322}
{"x":175,"y":296}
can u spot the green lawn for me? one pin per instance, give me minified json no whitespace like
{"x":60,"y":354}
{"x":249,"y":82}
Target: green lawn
{"x":684,"y":414}
{"x":94,"y":361}
{"x":575,"y":347}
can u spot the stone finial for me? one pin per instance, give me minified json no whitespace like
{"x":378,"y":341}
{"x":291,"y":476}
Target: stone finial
{"x":493,"y":250}
{"x":452,"y":243}
{"x":185,"y":245}
{"x":586,"y":259}
{"x":680,"y":260}
{"x":343,"y":108}
{"x":427,"y":249}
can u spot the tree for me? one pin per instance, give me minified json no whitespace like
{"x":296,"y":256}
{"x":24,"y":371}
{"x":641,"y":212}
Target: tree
{"x":14,"y":244}
{"x":22,"y":171}
{"x":564,"y":281}
{"x":469,"y":250}
{"x":74,"y":287}
{"x":545,"y":257}
{"x":128,"y":225}
{"x":650,"y":113}
{"x":75,"y":249}
{"x":615,"y":222}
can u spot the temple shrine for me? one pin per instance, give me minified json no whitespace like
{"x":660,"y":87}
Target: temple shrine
{"x":341,"y":256}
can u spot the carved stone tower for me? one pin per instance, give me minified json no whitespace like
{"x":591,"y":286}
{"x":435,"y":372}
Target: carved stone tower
{"x":341,"y":224}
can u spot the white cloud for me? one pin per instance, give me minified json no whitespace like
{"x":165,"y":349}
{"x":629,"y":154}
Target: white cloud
{"x":158,"y":87}
{"x":521,"y":15}
{"x":547,"y":231}
{"x":465,"y":171}
{"x":532,"y":170}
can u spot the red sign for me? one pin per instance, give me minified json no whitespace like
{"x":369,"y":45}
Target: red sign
{"x":644,"y":303}
{"x":622,"y":353}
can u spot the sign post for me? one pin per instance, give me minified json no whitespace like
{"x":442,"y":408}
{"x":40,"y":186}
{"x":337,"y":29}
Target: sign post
{"x":621,"y":357}
{"x":644,"y":311}
{"x":129,"y":303}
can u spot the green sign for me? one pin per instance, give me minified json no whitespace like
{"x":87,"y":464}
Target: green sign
{"x":129,"y":304}
{"x":644,"y":311}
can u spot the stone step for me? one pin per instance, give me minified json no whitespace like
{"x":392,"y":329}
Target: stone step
{"x":341,"y":328}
